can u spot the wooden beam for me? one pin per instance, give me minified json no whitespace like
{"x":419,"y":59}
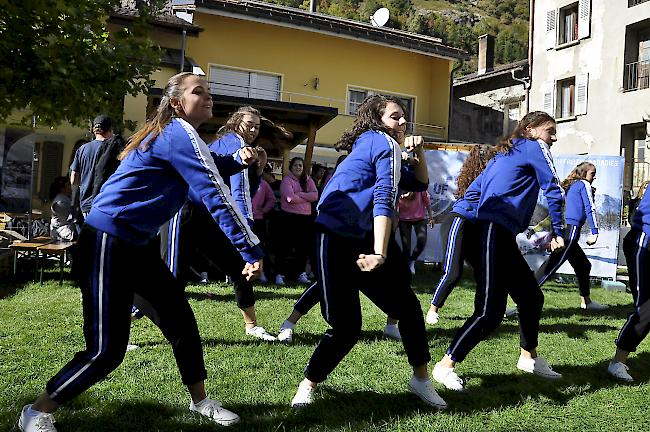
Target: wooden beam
{"x":309,"y":149}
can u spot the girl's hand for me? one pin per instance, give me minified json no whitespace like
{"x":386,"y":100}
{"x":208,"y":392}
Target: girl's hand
{"x":557,"y":244}
{"x":248,"y":155}
{"x":252,"y":271}
{"x":592,"y":239}
{"x":413,"y":143}
{"x":370,"y":262}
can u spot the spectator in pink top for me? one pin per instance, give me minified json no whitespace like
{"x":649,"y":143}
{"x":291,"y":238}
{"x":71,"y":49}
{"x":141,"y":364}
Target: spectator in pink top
{"x":297,"y":192}
{"x":263,"y":202}
{"x":414,"y":213}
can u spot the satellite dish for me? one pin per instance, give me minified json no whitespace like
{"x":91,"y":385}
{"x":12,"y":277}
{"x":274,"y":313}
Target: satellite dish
{"x":380,"y":17}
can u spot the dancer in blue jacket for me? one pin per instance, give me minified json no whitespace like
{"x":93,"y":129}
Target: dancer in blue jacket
{"x":118,"y":256}
{"x":456,"y":228}
{"x":197,"y":236}
{"x":357,"y":251}
{"x":637,"y":326}
{"x":509,"y":190}
{"x":579,"y":208}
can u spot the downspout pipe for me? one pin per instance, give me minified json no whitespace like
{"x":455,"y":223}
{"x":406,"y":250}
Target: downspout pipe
{"x":531,"y":38}
{"x":451,"y":97}
{"x":184,"y":38}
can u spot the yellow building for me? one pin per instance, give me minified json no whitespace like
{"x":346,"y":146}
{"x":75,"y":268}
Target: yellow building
{"x":308,"y":71}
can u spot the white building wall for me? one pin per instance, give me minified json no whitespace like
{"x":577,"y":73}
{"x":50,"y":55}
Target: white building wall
{"x":601,"y":56}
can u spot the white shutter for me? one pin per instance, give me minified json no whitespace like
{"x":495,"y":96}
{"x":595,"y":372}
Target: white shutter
{"x":584,"y":18}
{"x":265,"y":86}
{"x":551,"y":26}
{"x":229,"y":82}
{"x":548,"y":91}
{"x":582,"y":84}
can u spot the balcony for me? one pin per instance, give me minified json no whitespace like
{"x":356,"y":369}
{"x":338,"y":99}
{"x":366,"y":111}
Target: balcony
{"x":637,"y":76}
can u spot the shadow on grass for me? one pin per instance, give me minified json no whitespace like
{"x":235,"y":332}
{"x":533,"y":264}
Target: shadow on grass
{"x":506,"y":390}
{"x":230,"y":296}
{"x":333,"y":409}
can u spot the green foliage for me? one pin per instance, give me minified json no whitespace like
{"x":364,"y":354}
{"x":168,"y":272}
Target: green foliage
{"x":59,"y":62}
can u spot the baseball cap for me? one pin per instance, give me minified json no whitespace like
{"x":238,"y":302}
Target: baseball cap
{"x":103,"y":122}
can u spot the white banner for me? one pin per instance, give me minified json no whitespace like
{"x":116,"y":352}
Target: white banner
{"x":608,"y":200}
{"x":444,"y":167}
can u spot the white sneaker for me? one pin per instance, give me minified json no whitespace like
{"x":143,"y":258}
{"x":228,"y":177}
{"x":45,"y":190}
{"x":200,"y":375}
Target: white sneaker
{"x":447,"y":377}
{"x":511,"y":312}
{"x":213,"y":410}
{"x":619,"y":371}
{"x":204,"y":277}
{"x":303,"y":278}
{"x":304,"y":396}
{"x":263,"y":278}
{"x":41,"y":422}
{"x":432,"y":317}
{"x":260,"y":333}
{"x":412,"y":267}
{"x":594,"y":305}
{"x":279,"y":280}
{"x":392,"y":331}
{"x":131,"y":347}
{"x":538,"y":366}
{"x":285,"y":335}
{"x":425,"y":391}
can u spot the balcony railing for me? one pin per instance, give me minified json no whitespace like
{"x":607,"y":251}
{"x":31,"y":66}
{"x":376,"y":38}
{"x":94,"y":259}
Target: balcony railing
{"x":631,"y":3}
{"x":637,"y":76}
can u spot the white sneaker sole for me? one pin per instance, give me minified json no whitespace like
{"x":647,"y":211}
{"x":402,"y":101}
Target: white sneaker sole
{"x":425,"y":400}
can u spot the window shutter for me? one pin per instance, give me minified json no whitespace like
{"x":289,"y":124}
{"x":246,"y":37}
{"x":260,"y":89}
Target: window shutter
{"x":551,"y":26}
{"x":548,"y":90}
{"x":229,"y":82}
{"x":584,"y":18}
{"x":265,"y":86}
{"x":582,"y":83}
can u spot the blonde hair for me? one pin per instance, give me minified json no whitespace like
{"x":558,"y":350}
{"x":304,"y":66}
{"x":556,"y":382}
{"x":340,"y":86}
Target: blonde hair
{"x":154,"y":127}
{"x":577,"y":173}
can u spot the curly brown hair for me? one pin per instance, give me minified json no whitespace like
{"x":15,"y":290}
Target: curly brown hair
{"x":368,"y":118}
{"x":530,"y":120}
{"x":474,"y":165}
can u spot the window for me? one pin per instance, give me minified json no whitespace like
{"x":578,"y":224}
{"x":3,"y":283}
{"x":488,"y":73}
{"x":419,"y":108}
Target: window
{"x":241,"y":83}
{"x":631,"y":3}
{"x":568,"y":31}
{"x":568,"y":24}
{"x":357,"y":96}
{"x":565,"y":98}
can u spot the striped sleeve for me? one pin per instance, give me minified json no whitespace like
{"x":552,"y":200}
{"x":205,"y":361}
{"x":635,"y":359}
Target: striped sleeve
{"x":386,"y":157}
{"x":193,"y":161}
{"x":542,"y":162}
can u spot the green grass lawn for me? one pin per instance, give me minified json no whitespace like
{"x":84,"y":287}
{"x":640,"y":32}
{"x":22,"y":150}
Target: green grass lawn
{"x":40,"y":329}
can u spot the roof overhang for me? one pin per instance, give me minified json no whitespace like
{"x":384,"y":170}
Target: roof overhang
{"x":284,"y":16}
{"x":501,"y":77}
{"x":299,"y":119}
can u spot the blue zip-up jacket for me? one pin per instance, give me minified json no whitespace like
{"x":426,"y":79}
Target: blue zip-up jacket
{"x":580,"y":205}
{"x":240,"y":183}
{"x":150,"y":186}
{"x":365,"y":185}
{"x":641,"y":218}
{"x":510,"y":187}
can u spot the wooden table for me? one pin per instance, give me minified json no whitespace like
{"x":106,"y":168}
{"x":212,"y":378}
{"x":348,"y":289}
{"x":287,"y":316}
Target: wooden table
{"x":28,"y":247}
{"x":57,"y":248}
